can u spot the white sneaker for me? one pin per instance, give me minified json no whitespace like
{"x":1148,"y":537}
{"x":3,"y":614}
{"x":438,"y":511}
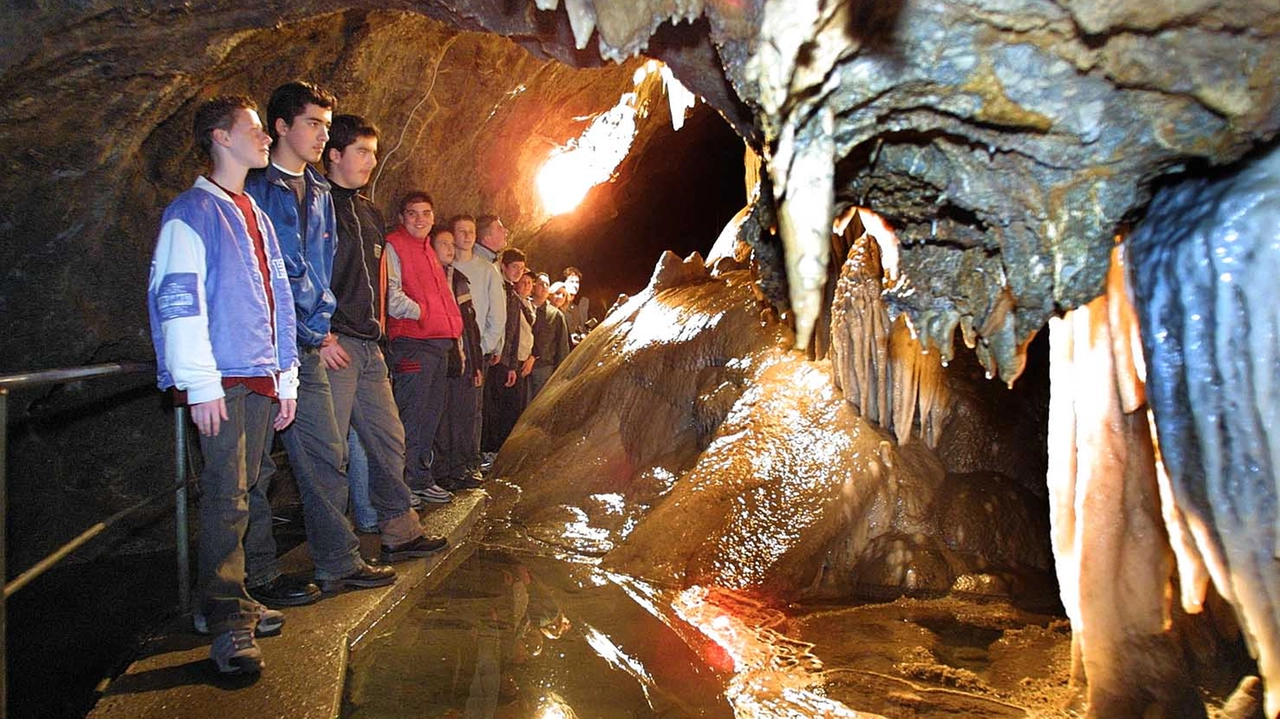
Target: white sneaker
{"x":270,"y":622}
{"x":434,"y":494}
{"x":235,"y":652}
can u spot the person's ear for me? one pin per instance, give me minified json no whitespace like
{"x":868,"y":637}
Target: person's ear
{"x":281,"y":126}
{"x":221,"y":137}
{"x":332,"y":156}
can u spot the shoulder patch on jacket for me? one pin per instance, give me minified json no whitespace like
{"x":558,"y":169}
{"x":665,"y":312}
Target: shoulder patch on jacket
{"x":178,"y":296}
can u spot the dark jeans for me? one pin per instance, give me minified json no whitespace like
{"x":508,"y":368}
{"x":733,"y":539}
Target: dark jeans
{"x":362,"y":399}
{"x":232,"y":464}
{"x":316,"y":455}
{"x":502,"y":406}
{"x":417,"y":374}
{"x":455,"y":444}
{"x":538,"y":379}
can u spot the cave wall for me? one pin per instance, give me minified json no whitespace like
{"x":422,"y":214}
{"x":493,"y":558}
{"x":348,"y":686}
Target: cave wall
{"x":95,"y":127}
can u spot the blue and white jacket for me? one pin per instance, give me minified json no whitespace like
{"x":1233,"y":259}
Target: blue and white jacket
{"x":209,"y":313}
{"x":308,"y":252}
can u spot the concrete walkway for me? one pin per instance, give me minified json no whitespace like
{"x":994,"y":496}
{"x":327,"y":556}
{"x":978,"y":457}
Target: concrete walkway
{"x":305,"y":666}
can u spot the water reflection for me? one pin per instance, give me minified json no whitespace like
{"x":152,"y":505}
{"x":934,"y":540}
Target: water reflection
{"x":513,"y":633}
{"x":494,"y":641}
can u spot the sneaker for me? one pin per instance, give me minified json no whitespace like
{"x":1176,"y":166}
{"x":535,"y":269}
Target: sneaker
{"x":270,"y":622}
{"x":414,"y":548}
{"x":415,"y":502}
{"x":434,"y":495}
{"x":235,"y":652}
{"x":365,"y":577}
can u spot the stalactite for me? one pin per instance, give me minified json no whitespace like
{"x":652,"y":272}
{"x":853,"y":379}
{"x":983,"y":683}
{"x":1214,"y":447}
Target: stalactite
{"x":879,"y":363}
{"x":1111,"y":552}
{"x":1204,"y":267}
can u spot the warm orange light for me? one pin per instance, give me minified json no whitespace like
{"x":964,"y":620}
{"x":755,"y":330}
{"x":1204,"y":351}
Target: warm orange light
{"x":562,"y":184}
{"x":571,"y":171}
{"x":588,"y":161}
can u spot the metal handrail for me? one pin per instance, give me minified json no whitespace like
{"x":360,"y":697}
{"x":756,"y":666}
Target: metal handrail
{"x":73,"y":374}
{"x":178,"y":489}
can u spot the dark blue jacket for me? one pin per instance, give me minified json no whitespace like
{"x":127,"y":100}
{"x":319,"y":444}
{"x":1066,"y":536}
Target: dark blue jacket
{"x":308,"y":255}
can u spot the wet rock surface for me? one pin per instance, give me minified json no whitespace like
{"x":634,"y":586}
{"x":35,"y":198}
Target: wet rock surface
{"x":715,"y":457}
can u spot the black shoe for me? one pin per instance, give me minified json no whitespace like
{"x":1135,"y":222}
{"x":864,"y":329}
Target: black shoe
{"x":413,"y":549}
{"x":367,"y":576}
{"x":285,"y":592}
{"x":456,"y":484}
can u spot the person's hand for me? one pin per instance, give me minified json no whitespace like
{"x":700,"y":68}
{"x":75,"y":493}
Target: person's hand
{"x":527,"y":366}
{"x":479,"y":379}
{"x":210,"y":415}
{"x":493,"y":359}
{"x":511,"y":378}
{"x":288,"y":408}
{"x":332,"y":354}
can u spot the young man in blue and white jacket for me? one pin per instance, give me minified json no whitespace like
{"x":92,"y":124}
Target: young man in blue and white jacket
{"x":222,"y":324}
{"x":299,"y":201}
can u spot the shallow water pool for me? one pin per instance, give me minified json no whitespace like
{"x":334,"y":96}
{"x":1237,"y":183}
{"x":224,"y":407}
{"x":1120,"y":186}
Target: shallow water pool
{"x":516,"y":632}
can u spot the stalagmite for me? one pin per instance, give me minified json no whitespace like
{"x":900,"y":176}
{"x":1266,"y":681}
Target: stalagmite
{"x":1205,"y":263}
{"x":1112,"y":555}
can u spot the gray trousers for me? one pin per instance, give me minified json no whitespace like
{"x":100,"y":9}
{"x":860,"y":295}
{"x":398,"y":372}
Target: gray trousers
{"x":362,"y":399}
{"x":418,"y":368}
{"x":316,"y":456}
{"x":232,"y":463}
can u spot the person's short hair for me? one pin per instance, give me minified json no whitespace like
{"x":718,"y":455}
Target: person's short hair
{"x":483,"y":223}
{"x":437,"y":231}
{"x":290,"y":99}
{"x":453,"y":221}
{"x":218,"y":113}
{"x":513,"y":254}
{"x":416,"y":196}
{"x":531,"y":274}
{"x":347,"y":129}
{"x":572,"y":271}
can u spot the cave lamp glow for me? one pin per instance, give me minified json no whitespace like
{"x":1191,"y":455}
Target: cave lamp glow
{"x":592,"y":158}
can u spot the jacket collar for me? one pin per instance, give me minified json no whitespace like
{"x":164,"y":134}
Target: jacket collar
{"x":276,"y":177}
{"x":203,"y":183}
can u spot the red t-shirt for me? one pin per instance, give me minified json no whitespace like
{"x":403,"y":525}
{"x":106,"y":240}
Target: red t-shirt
{"x":258,"y":385}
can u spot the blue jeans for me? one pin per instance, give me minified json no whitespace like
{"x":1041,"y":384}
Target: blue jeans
{"x":358,"y":479}
{"x":316,"y":453}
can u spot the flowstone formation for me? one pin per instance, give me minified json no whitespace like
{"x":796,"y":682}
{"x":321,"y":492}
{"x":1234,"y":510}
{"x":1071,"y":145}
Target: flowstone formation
{"x":685,"y":446}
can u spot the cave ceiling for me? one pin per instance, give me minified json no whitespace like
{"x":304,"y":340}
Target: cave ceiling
{"x":1005,"y":141}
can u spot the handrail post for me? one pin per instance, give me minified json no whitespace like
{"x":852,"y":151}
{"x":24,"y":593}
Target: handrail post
{"x":180,"y":507}
{"x":4,"y":508}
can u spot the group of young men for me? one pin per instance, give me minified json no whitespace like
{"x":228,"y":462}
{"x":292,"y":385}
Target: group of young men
{"x":272,"y":291}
